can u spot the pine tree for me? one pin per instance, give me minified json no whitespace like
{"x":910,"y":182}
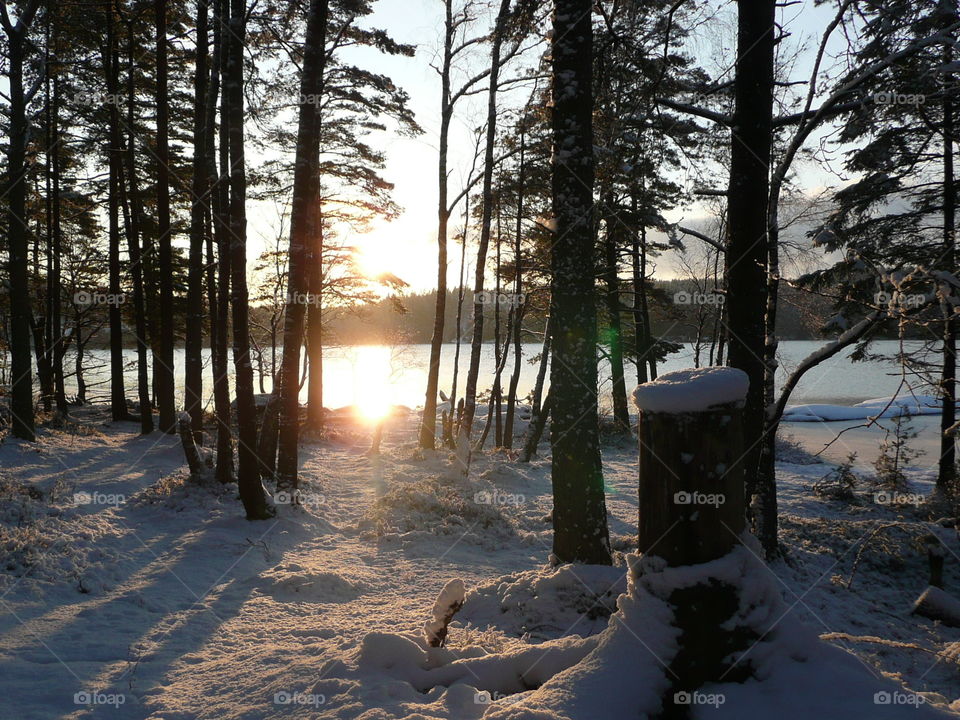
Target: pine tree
{"x":303,"y":226}
{"x":248,"y":465}
{"x":579,"y":510}
{"x":21,"y":400}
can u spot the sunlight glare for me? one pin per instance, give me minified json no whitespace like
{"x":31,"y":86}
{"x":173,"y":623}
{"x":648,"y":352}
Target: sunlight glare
{"x":377,"y":255}
{"x":372,"y":388}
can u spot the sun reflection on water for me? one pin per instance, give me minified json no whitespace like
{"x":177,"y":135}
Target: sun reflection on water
{"x":373,"y":389}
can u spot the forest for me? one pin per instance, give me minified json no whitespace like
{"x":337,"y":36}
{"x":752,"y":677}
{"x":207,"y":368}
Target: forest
{"x":518,"y":359}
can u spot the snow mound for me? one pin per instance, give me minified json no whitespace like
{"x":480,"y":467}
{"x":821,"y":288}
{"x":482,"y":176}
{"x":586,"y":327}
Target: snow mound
{"x":547,"y":603}
{"x":877,"y":408}
{"x":793,"y":676}
{"x":692,"y":390}
{"x":179,"y":491}
{"x":45,"y":539}
{"x":441,"y":506}
{"x":295,"y":584}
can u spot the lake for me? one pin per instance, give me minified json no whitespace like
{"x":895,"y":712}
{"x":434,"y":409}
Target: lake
{"x":376,"y":374}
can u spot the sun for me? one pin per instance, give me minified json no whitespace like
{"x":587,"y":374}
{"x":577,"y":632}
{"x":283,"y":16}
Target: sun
{"x":378,"y":256}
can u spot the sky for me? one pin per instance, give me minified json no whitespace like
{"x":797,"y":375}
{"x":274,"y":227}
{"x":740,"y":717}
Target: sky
{"x":406,"y":247}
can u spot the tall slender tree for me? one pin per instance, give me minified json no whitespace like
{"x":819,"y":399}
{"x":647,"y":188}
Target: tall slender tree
{"x":221,"y":226}
{"x":579,"y":506}
{"x":21,"y":400}
{"x":193,"y":345}
{"x":747,"y":195}
{"x":487,"y":205}
{"x":248,"y":465}
{"x":133,"y":211}
{"x":111,"y":64}
{"x":163,"y":360}
{"x":303,"y":228}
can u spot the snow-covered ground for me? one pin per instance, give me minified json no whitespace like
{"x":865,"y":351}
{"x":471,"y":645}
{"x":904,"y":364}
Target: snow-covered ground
{"x":128,"y":592}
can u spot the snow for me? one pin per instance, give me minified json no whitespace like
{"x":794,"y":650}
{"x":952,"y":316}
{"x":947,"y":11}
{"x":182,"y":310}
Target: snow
{"x":877,"y":407}
{"x":692,"y":390}
{"x":448,"y":603}
{"x":168,"y":604}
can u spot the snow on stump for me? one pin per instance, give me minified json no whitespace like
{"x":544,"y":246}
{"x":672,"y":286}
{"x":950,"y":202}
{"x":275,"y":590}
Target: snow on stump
{"x":691,"y":512}
{"x":691,"y":474}
{"x":448,"y":603}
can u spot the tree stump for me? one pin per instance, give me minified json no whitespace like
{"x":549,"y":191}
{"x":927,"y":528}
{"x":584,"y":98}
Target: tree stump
{"x":692,"y":511}
{"x":692,"y":506}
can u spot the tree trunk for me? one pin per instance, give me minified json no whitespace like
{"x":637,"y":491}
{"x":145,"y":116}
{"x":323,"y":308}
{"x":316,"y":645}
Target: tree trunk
{"x":303,"y":219}
{"x":428,"y":421}
{"x":118,"y":399}
{"x":639,"y":300}
{"x":520,"y":305}
{"x":193,"y":345}
{"x":57,"y":343}
{"x":134,"y":215}
{"x":495,"y":394}
{"x":163,"y":368}
{"x":537,"y":423}
{"x":448,"y":431}
{"x":579,"y":506}
{"x":21,"y":366}
{"x":221,"y":226}
{"x":541,"y":371}
{"x":747,"y":199}
{"x":248,"y":465}
{"x":215,"y":329}
{"x":473,"y":372}
{"x":499,"y":351}
{"x":190,"y":451}
{"x":621,"y":415}
{"x":947,"y":474}
{"x":764,"y":517}
{"x":315,"y":326}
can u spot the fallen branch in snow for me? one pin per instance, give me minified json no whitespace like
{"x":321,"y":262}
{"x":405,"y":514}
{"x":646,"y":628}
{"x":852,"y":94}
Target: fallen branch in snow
{"x":448,"y":603}
{"x":873,"y":533}
{"x":888,"y":643}
{"x":937,"y":604}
